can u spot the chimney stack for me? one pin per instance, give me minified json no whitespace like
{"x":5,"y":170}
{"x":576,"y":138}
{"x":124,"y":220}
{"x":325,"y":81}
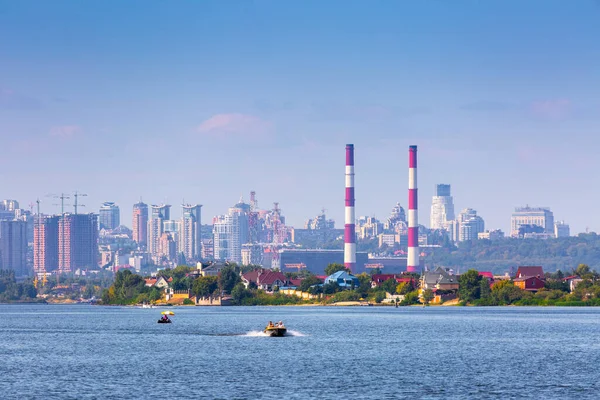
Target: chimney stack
{"x":412,"y":264}
{"x":349,"y":228}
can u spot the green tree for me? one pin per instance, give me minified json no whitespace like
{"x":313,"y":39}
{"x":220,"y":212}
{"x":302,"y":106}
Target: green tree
{"x":469,"y":286}
{"x":428,"y":296}
{"x":239,"y":293}
{"x":485,"y":292}
{"x":205,"y":286}
{"x":306,"y":283}
{"x":389,"y":285}
{"x":228,"y":278}
{"x":333,"y":268}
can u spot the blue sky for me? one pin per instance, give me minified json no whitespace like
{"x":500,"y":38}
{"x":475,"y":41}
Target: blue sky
{"x":205,"y":101}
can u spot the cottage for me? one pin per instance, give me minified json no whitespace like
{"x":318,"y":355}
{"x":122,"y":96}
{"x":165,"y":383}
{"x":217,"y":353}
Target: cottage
{"x":531,"y":283}
{"x":573,"y":281}
{"x":343,"y":280}
{"x":213,"y":269}
{"x":525,"y":272}
{"x":264,"y":279}
{"x":439,"y":279}
{"x":159,"y":282}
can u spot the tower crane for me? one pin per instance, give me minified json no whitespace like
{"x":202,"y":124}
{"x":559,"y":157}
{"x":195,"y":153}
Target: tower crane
{"x":76,"y":204}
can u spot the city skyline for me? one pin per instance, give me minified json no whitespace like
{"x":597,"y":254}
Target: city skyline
{"x":266,"y":94}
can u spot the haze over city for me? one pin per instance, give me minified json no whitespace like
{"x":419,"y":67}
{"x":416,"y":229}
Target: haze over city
{"x":207,"y":101}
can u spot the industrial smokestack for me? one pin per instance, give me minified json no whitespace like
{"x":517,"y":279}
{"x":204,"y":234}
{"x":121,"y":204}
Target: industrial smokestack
{"x":412,"y":264}
{"x":349,"y":229}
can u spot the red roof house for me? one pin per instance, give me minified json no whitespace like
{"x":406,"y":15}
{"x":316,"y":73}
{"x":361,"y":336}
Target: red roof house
{"x":525,"y":272}
{"x":265,"y":279}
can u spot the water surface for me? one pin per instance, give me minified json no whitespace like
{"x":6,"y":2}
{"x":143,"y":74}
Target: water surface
{"x":94,"y":352}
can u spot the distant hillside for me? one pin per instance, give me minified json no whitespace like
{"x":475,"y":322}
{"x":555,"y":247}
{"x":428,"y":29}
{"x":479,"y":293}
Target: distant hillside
{"x":500,"y":255}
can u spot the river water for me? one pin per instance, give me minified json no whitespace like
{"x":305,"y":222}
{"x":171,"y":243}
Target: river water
{"x":94,"y":352}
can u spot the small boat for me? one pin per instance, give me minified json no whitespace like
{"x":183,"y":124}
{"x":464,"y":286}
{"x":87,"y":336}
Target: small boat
{"x":162,"y":321}
{"x":278,"y":330}
{"x":165,"y":319}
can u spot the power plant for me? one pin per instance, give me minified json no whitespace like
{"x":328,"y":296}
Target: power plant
{"x":412,"y":264}
{"x":349,"y":220}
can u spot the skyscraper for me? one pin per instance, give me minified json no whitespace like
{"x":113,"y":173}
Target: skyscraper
{"x":77,"y":241}
{"x":45,"y":244}
{"x":13,"y":247}
{"x":230,"y":232}
{"x":469,"y":225}
{"x":160,"y":214}
{"x":190,"y":238}
{"x":109,"y":216}
{"x":140,"y":224}
{"x":442,"y":207}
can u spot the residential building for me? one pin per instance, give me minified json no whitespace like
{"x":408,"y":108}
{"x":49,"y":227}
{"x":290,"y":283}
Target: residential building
{"x":9,"y":205}
{"x":140,"y":224}
{"x":13,"y":247}
{"x":469,"y":225}
{"x":45,"y":244}
{"x":442,"y":207}
{"x":316,"y":260}
{"x":252,"y":254}
{"x":230,"y":231}
{"x":369,"y":227}
{"x":167,"y":247}
{"x":439,"y":279}
{"x":526,"y":219}
{"x":160,"y":214}
{"x":561,"y":229}
{"x":77,"y":241}
{"x":264,"y":279}
{"x":110,"y":216}
{"x":343,"y":279}
{"x":491,"y":235}
{"x":530,"y":283}
{"x":528,"y":271}
{"x":388,"y":239}
{"x":190,"y":234}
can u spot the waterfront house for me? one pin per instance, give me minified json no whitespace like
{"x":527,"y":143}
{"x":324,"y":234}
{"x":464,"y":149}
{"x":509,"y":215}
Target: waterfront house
{"x":439,"y":279}
{"x":528,"y":271}
{"x":487,"y":275}
{"x":573,"y":281}
{"x":530,"y":283}
{"x":213,"y":269}
{"x":343,"y":280}
{"x":159,"y":282}
{"x":264,"y":279}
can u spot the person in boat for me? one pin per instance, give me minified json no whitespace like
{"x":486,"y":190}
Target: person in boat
{"x":270,"y":324}
{"x":165,"y":318}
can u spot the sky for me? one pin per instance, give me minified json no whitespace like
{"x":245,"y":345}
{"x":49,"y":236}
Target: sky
{"x":204,"y":101}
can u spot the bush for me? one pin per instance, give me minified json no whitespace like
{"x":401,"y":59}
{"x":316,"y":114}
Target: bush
{"x":188,"y":302}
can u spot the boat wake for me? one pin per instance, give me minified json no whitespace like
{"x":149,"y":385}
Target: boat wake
{"x":262,"y":334}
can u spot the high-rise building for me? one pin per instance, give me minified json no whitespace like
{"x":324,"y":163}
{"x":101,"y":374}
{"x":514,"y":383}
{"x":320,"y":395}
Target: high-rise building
{"x":167,"y":247}
{"x":529,"y":218}
{"x":561,"y":229}
{"x":10,"y":205}
{"x":13,"y":247}
{"x":45,"y":244}
{"x":77,"y":241}
{"x":140,"y":224}
{"x":442,"y":207}
{"x":190,"y":239}
{"x":160,"y":214}
{"x":230,"y":231}
{"x":110,"y":217}
{"x":469,"y":225}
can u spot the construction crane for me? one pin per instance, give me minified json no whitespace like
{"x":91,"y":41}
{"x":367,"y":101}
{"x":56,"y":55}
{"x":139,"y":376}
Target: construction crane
{"x":76,"y":204}
{"x":62,"y":198}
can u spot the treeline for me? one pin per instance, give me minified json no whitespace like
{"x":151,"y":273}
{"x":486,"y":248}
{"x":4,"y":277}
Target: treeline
{"x":11,"y":291}
{"x":475,"y":289}
{"x":499,"y":256}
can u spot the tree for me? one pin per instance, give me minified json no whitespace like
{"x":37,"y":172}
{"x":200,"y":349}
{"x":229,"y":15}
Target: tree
{"x":205,"y":286}
{"x":333,"y":268}
{"x":485,"y":292}
{"x":428,"y":296}
{"x":239,"y":293}
{"x":306,"y":283}
{"x":469,"y":286}
{"x":228,"y":278}
{"x":389,"y":285}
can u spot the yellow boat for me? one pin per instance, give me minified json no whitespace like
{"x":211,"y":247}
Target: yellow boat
{"x":275,"y":330}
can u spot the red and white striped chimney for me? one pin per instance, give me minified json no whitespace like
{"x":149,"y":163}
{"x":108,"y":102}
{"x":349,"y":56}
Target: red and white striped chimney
{"x":349,"y":228}
{"x":412,"y":264}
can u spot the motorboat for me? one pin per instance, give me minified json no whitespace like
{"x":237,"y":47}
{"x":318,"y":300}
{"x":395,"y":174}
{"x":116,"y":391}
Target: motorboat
{"x":164,"y":321}
{"x":278,"y":329}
